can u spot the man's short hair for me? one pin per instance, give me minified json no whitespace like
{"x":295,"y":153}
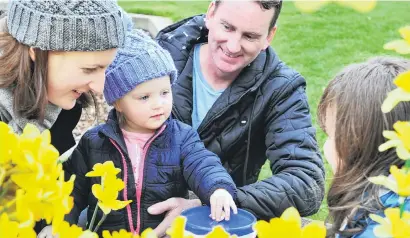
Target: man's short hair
{"x":266,"y":5}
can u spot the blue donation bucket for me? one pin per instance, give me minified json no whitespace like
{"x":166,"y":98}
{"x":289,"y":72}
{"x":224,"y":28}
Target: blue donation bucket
{"x":199,"y":223}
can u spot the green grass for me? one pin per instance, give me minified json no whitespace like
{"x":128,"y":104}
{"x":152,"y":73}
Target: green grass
{"x":316,"y":45}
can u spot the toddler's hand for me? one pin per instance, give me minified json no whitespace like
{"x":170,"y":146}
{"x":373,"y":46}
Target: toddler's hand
{"x":222,"y":202}
{"x":47,"y":232}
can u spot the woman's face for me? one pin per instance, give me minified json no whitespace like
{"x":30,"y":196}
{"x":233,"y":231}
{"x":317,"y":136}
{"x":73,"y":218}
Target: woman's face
{"x":329,"y":147}
{"x":72,"y":73}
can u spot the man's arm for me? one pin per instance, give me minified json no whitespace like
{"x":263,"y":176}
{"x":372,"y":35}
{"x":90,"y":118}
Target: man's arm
{"x":298,"y":171}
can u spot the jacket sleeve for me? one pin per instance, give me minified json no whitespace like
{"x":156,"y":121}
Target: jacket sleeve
{"x":77,"y":165}
{"x":203,"y":170}
{"x":297,"y":168}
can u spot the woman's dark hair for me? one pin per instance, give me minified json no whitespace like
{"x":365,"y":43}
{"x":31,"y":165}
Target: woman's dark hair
{"x":28,"y":78}
{"x":356,"y":95}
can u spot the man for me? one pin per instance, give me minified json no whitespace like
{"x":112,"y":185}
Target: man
{"x":247,"y":106}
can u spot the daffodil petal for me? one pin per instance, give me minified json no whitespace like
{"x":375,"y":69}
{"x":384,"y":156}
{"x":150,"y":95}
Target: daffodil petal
{"x":382,"y":232}
{"x":403,"y":81}
{"x":402,"y":153}
{"x":405,"y":33}
{"x":263,"y":229}
{"x":104,"y":208}
{"x":291,"y":214}
{"x":385,"y":181}
{"x":400,"y":46}
{"x":314,"y":230}
{"x":393,"y":98}
{"x":388,"y":145}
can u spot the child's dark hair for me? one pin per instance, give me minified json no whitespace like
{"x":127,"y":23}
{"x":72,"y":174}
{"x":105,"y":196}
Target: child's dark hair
{"x":356,"y":95}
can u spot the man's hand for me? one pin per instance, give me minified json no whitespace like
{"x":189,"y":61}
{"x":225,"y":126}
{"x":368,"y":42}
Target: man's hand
{"x":173,"y":207}
{"x":221,"y":204}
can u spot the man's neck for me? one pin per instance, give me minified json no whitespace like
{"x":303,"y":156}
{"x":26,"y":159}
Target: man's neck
{"x":216,"y":79}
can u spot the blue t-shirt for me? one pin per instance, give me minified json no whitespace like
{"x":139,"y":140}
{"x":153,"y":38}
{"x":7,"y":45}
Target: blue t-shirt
{"x":204,"y":96}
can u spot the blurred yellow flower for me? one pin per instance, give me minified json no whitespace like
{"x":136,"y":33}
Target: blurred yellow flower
{"x":400,"y":94}
{"x":289,"y":225}
{"x":107,"y":194}
{"x":399,"y":138}
{"x":310,"y":6}
{"x":403,"y":81}
{"x":148,"y":233}
{"x":65,"y":230}
{"x":359,"y":6}
{"x":8,"y":228}
{"x":9,"y":145}
{"x":399,"y":183}
{"x":401,"y":46}
{"x":392,"y":225}
{"x":177,"y":228}
{"x":102,"y":170}
{"x":218,"y":232}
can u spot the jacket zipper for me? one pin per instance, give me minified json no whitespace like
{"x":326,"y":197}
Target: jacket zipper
{"x":139,"y":183}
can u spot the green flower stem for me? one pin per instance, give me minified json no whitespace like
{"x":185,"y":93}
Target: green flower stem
{"x":9,"y":204}
{"x":407,"y":166}
{"x":90,"y":227}
{"x":401,"y":201}
{"x":99,"y":223}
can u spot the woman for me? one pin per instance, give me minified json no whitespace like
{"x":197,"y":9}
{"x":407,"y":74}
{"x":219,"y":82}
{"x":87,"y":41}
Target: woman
{"x":53,"y":56}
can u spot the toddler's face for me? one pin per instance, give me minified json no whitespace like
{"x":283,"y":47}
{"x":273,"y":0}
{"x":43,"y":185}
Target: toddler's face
{"x":329,"y":147}
{"x":148,"y":106}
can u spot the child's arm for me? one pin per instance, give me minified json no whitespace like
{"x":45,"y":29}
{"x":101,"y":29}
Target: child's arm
{"x":203,"y":170}
{"x":77,"y":165}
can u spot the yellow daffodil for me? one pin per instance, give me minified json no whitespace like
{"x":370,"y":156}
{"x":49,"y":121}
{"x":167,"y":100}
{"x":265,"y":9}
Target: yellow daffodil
{"x":400,"y":94}
{"x":102,"y":170}
{"x":359,"y":6}
{"x":148,"y":233}
{"x":8,"y":228}
{"x":65,"y":230}
{"x":27,"y":232}
{"x":9,"y":145}
{"x":107,"y":194}
{"x":399,"y":138}
{"x":219,"y":232}
{"x":177,"y":228}
{"x":399,"y":183}
{"x":310,"y":6}
{"x":401,"y":46}
{"x":403,"y":81}
{"x":392,"y":225}
{"x":289,"y":225}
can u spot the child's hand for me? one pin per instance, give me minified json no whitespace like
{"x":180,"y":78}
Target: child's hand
{"x":221,"y":199}
{"x":47,"y":233}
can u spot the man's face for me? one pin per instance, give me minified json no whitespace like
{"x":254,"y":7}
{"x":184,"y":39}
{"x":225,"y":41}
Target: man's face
{"x":238,"y":32}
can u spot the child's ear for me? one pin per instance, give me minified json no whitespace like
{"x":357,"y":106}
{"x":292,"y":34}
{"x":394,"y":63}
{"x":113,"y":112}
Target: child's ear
{"x":117,"y":106}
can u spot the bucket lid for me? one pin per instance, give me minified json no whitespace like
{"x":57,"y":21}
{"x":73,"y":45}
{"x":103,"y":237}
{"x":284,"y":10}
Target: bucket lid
{"x":199,"y":223}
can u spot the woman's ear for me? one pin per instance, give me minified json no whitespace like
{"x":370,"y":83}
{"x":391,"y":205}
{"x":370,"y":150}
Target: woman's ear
{"x":32,"y":54}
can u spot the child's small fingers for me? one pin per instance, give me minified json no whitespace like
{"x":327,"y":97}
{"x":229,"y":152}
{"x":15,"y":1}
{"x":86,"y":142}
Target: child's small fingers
{"x":219,"y":209}
{"x":234,"y":207}
{"x":213,"y":208}
{"x":227,"y":210}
